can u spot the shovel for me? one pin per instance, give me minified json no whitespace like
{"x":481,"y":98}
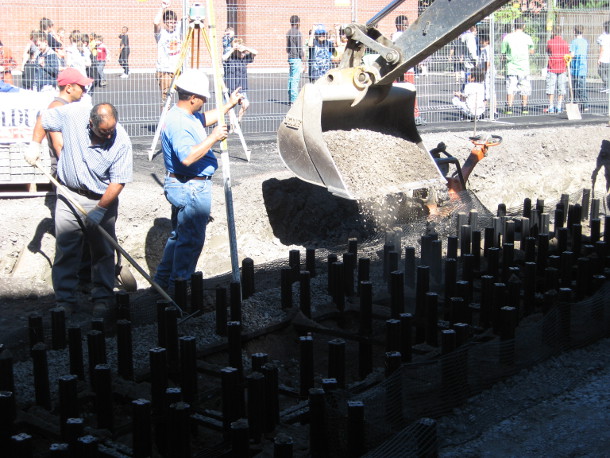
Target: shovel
{"x":572,"y":109}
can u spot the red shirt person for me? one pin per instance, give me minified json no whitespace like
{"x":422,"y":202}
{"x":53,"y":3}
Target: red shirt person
{"x":556,"y":77}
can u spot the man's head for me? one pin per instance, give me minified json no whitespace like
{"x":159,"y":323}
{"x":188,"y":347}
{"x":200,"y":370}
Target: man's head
{"x":577,"y":30}
{"x":294,"y":20}
{"x":102,"y":121}
{"x":46,"y":24}
{"x":401,"y":22}
{"x":477,"y":75}
{"x":124,"y":29}
{"x":556,"y":30}
{"x":170,"y":19}
{"x":72,"y":84}
{"x":41,"y":40}
{"x":518,"y":24}
{"x":320,"y":32}
{"x":193,"y":89}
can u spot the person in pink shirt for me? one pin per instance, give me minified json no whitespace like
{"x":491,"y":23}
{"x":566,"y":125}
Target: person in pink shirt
{"x":556,"y":76}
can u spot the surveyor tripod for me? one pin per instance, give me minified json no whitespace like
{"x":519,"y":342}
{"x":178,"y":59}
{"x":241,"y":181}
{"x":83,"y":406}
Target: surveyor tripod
{"x":192,"y":43}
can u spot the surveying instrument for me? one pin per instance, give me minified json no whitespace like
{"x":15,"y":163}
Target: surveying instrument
{"x":192,"y":42}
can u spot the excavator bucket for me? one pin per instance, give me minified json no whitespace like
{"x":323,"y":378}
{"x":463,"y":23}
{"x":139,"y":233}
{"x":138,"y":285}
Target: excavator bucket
{"x":330,"y":105}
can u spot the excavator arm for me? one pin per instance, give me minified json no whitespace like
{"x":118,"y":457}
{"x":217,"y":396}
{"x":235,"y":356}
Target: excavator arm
{"x":361,"y":93}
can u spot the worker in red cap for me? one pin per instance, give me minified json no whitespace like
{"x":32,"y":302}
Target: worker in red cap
{"x":72,"y":87}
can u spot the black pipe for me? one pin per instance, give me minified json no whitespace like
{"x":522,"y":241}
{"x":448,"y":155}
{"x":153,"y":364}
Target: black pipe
{"x":499,"y":301}
{"x":306,"y":374}
{"x":68,"y":401}
{"x":294,"y":262}
{"x":36,"y":329}
{"x":406,"y":337}
{"x":234,"y":341}
{"x":221,"y":311}
{"x":356,"y":429}
{"x":235,"y":300}
{"x":397,"y":293}
{"x":318,"y":440}
{"x":233,"y":401}
{"x":410,"y":266}
{"x":272,"y":399}
{"x":310,"y":261}
{"x":452,"y":246}
{"x":240,"y":444}
{"x":283,"y":446}
{"x":22,"y":445}
{"x":365,"y":357}
{"x":432,"y":319}
{"x":336,"y":361}
{"x":286,"y":288}
{"x":158,"y":378}
{"x":337,"y":288}
{"x":188,"y":369}
{"x":366,"y":308}
{"x":392,"y":342}
{"x":330,"y":260}
{"x":364,"y":267}
{"x":197,"y":291}
{"x":41,"y":375}
{"x":305,"y":293}
{"x":171,"y":338}
{"x":7,"y":377}
{"x":141,"y":428}
{"x":179,"y":430}
{"x":257,"y":405}
{"x":103,"y":396}
{"x":349,"y":268}
{"x":181,"y":293}
{"x":423,"y":286}
{"x":247,"y":278}
{"x":486,"y":304}
{"x":124,"y":342}
{"x":58,"y":328}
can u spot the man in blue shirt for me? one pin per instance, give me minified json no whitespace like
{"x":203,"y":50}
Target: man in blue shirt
{"x":94,"y":165}
{"x":578,"y":67}
{"x":190,"y":164}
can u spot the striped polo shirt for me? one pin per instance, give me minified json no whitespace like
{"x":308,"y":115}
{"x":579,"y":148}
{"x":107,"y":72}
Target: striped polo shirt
{"x":81,"y":164}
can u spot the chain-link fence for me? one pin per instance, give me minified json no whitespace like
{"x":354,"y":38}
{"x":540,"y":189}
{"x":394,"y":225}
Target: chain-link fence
{"x":263,"y":27}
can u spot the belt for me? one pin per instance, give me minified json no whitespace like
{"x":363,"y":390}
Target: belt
{"x":184,"y":178}
{"x":85,"y":192}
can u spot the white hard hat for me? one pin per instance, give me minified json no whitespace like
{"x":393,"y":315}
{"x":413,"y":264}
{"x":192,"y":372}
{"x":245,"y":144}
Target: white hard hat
{"x":194,"y":81}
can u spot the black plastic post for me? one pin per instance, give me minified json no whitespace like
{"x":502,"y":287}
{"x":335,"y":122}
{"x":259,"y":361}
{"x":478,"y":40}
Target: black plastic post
{"x":257,"y":405}
{"x":397,"y":293}
{"x":122,"y":305}
{"x":103,"y":396}
{"x":305,"y":293}
{"x":499,"y":301}
{"x":465,"y":239}
{"x":142,"y":428}
{"x":393,"y":388}
{"x":35,"y":328}
{"x":337,"y":289}
{"x":179,"y":430}
{"x":58,"y":328}
{"x":8,"y":414}
{"x":247,"y":278}
{"x":188,"y":369}
{"x":171,"y":338}
{"x":272,"y":417}
{"x":283,"y":446}
{"x":366,"y":308}
{"x":235,"y":300}
{"x":233,"y":400}
{"x":410,"y":266}
{"x":7,"y":377}
{"x":426,"y":438}
{"x":356,"y":430}
{"x":486,"y":304}
{"x":450,"y":280}
{"x":124,"y":349}
{"x":286,"y":288}
{"x":577,"y":238}
{"x":74,"y":429}
{"x":158,"y":378}
{"x":306,"y":365}
{"x":364,"y":266}
{"x":234,"y":340}
{"x":452,"y":246}
{"x":41,"y":375}
{"x":181,"y":293}
{"x":221,"y":311}
{"x":22,"y":445}
{"x":258,"y":360}
{"x":336,"y":361}
{"x":197,"y":291}
{"x":365,"y":357}
{"x":423,"y":286}
{"x":161,"y":327}
{"x":294,"y":262}
{"x":493,"y":261}
{"x":529,"y":287}
{"x":349,"y":268}
{"x":318,"y":440}
{"x":508,"y":316}
{"x":240,"y":444}
{"x":392,"y":342}
{"x":508,"y":259}
{"x":432,"y":319}
{"x":310,"y":261}
{"x":330,"y":260}
{"x":68,"y":401}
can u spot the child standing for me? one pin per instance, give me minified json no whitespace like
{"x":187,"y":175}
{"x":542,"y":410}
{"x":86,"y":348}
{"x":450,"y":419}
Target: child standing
{"x":236,"y":60}
{"x":486,"y":63}
{"x":471,"y":102}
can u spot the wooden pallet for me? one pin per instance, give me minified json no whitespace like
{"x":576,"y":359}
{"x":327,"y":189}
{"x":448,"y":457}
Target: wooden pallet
{"x":17,"y":177}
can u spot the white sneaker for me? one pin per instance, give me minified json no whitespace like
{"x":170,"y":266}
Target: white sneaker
{"x":124,"y":75}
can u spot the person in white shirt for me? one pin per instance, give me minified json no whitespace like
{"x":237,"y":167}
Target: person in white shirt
{"x":471,"y":101}
{"x":603,"y":60}
{"x":168,"y":35}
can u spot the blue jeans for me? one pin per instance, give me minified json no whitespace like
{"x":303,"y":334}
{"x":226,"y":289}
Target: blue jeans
{"x":580,"y":91}
{"x":294,"y":78}
{"x":191,"y":204}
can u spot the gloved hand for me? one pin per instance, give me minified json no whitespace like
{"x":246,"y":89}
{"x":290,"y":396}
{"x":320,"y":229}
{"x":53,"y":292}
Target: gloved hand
{"x":32,"y":154}
{"x":94,"y":217}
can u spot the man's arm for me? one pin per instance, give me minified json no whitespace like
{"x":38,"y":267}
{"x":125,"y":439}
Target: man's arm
{"x":110,"y":195}
{"x":211,"y":116}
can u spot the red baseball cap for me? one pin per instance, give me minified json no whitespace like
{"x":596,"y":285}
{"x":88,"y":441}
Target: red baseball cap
{"x":72,"y":76}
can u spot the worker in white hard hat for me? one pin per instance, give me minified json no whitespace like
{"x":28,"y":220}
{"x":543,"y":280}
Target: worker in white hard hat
{"x":190,"y":164}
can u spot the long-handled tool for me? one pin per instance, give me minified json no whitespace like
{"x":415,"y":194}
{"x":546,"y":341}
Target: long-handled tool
{"x":110,"y":239}
{"x":224,"y":155}
{"x":572,"y":109}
